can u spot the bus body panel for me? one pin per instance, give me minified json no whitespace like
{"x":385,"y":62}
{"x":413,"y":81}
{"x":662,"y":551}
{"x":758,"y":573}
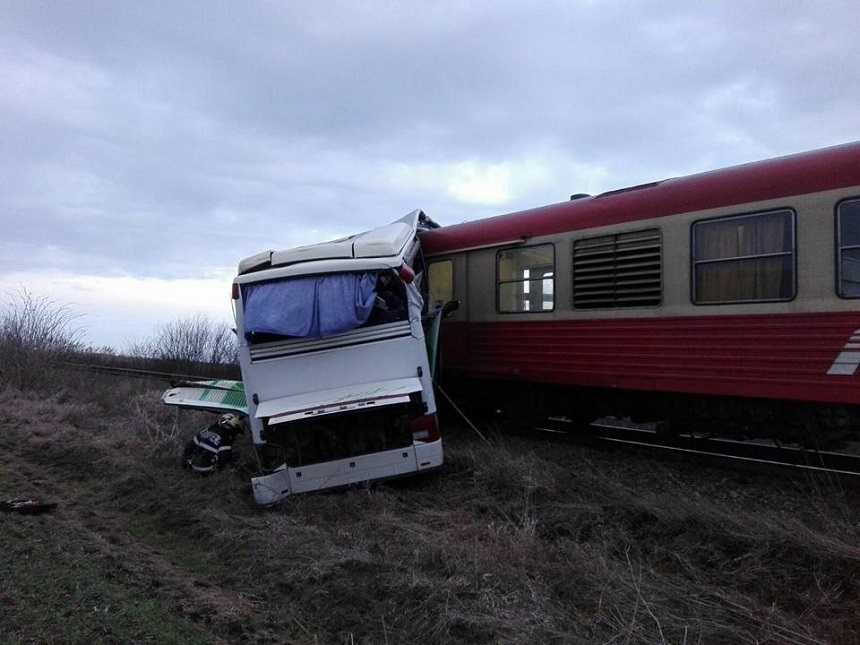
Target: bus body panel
{"x":335,"y":409}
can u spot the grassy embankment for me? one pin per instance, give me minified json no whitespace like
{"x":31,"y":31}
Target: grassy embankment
{"x":514,"y":542}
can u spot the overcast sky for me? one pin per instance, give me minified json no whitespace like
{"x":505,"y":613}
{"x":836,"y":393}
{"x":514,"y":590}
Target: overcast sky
{"x":147,"y":147}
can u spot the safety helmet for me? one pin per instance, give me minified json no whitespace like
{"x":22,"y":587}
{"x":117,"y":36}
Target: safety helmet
{"x":231,"y":421}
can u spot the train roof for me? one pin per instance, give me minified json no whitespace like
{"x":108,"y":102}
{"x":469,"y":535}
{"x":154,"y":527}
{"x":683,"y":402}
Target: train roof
{"x":818,"y":170}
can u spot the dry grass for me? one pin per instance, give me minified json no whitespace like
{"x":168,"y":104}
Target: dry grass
{"x":513,"y":542}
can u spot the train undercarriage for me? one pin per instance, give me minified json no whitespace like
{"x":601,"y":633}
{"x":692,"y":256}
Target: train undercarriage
{"x":523,"y":405}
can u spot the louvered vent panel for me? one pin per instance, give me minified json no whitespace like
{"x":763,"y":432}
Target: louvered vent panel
{"x":622,"y":270}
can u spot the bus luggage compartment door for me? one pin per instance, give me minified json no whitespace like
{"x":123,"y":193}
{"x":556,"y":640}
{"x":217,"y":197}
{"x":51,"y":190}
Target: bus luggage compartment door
{"x":353,"y":470}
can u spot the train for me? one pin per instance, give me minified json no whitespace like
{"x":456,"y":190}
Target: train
{"x":725,"y":302}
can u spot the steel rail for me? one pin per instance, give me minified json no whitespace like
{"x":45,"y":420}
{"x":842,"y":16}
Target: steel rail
{"x":171,"y":377}
{"x":789,"y":459}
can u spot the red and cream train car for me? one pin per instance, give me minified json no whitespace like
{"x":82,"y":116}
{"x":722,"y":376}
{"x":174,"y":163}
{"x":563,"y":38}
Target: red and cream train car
{"x":727,"y":300}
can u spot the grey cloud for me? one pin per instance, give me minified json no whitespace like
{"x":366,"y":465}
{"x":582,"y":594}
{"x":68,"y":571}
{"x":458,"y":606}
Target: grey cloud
{"x":164,"y":139}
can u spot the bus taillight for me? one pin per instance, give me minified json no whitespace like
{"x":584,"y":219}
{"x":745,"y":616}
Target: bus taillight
{"x":425,"y":428}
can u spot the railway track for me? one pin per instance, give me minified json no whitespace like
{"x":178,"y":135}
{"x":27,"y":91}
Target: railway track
{"x":131,"y":372}
{"x":843,"y":467}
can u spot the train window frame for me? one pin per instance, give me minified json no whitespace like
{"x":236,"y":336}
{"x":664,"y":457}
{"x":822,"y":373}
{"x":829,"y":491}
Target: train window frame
{"x":624,"y":263}
{"x":841,"y":248}
{"x":503,"y":282}
{"x":696,"y":261}
{"x":432,"y":290}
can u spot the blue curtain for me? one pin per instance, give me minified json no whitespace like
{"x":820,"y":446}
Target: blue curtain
{"x":311,"y":307}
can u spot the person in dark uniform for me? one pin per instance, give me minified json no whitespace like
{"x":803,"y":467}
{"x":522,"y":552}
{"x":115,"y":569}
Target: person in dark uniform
{"x":212,"y":449}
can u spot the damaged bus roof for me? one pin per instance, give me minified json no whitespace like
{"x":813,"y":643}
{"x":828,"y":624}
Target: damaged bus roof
{"x":387,"y":243}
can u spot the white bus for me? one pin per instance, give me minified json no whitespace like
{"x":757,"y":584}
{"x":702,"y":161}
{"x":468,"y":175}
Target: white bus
{"x":334,"y":361}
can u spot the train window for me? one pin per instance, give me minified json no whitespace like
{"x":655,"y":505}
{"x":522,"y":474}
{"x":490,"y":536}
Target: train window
{"x":848,"y":242}
{"x":622,"y":270}
{"x":526,"y":279}
{"x":744,"y":258}
{"x":441,"y":278}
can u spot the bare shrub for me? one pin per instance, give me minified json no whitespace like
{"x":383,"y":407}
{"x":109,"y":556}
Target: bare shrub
{"x":150,"y":419}
{"x":36,"y":333}
{"x":193,"y":339}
